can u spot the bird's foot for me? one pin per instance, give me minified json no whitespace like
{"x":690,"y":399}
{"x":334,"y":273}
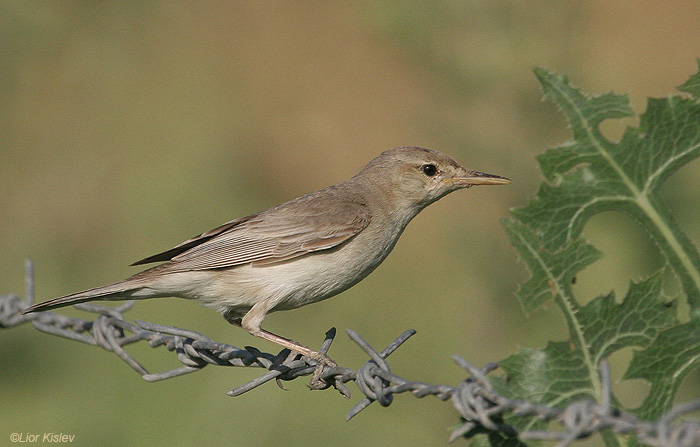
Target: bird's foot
{"x":323,"y":360}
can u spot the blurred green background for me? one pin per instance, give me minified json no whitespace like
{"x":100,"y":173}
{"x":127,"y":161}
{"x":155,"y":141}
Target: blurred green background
{"x":127,"y":127}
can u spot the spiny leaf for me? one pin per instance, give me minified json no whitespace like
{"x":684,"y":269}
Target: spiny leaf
{"x":692,"y":86}
{"x":564,"y":371}
{"x":585,"y":115}
{"x":674,"y":354}
{"x":552,"y":272}
{"x":586,"y":176}
{"x":637,"y":321}
{"x":553,"y":376}
{"x":591,"y":174}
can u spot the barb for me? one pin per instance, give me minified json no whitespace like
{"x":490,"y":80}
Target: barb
{"x":475,"y":399}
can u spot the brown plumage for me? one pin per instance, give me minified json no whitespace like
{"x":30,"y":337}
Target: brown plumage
{"x":299,"y":252}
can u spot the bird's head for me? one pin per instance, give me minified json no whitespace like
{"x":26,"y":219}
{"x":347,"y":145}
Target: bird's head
{"x":416,"y":177}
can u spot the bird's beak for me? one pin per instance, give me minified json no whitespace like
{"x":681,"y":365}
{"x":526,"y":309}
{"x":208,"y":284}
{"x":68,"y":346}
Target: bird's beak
{"x":478,"y":178}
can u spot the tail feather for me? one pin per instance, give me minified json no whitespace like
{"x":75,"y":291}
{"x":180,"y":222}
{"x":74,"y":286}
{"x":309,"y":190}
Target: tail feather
{"x":116,"y":291}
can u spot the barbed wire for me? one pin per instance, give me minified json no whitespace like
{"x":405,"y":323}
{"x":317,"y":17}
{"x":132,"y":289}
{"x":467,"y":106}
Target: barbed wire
{"x":475,"y":400}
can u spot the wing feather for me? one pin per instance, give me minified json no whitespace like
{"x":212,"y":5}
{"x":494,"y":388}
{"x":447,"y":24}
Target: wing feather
{"x":317,"y":221}
{"x":189,"y":243}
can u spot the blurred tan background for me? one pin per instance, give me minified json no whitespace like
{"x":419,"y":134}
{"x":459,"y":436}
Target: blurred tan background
{"x":127,"y":127}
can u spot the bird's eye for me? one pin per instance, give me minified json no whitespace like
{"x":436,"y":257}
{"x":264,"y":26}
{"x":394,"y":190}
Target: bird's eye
{"x":429,"y":170}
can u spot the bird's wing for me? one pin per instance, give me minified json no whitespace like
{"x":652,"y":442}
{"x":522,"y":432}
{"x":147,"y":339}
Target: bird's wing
{"x":293,"y":229}
{"x":193,"y":242}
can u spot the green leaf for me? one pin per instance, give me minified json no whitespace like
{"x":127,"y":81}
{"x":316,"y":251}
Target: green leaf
{"x":565,"y":371}
{"x":637,"y":321}
{"x":692,"y":86}
{"x":552,"y":272}
{"x":591,"y":174}
{"x":586,"y":176}
{"x":553,"y":376}
{"x":674,"y":354}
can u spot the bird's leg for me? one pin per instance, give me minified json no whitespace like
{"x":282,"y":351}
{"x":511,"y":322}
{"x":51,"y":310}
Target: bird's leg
{"x":257,"y":331}
{"x":294,"y":346}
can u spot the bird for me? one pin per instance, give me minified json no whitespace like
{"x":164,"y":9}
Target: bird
{"x":297,"y":253}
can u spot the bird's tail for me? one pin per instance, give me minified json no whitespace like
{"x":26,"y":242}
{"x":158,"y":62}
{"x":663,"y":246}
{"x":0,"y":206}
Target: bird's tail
{"x":122,"y":290}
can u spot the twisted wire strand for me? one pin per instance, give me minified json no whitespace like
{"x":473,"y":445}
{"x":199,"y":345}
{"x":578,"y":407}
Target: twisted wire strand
{"x":474,"y":399}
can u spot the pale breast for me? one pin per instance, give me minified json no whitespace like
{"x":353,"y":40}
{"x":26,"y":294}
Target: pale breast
{"x":303,"y":280}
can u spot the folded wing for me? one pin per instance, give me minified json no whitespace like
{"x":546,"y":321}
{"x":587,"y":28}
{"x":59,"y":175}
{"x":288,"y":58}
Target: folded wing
{"x":293,"y":229}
